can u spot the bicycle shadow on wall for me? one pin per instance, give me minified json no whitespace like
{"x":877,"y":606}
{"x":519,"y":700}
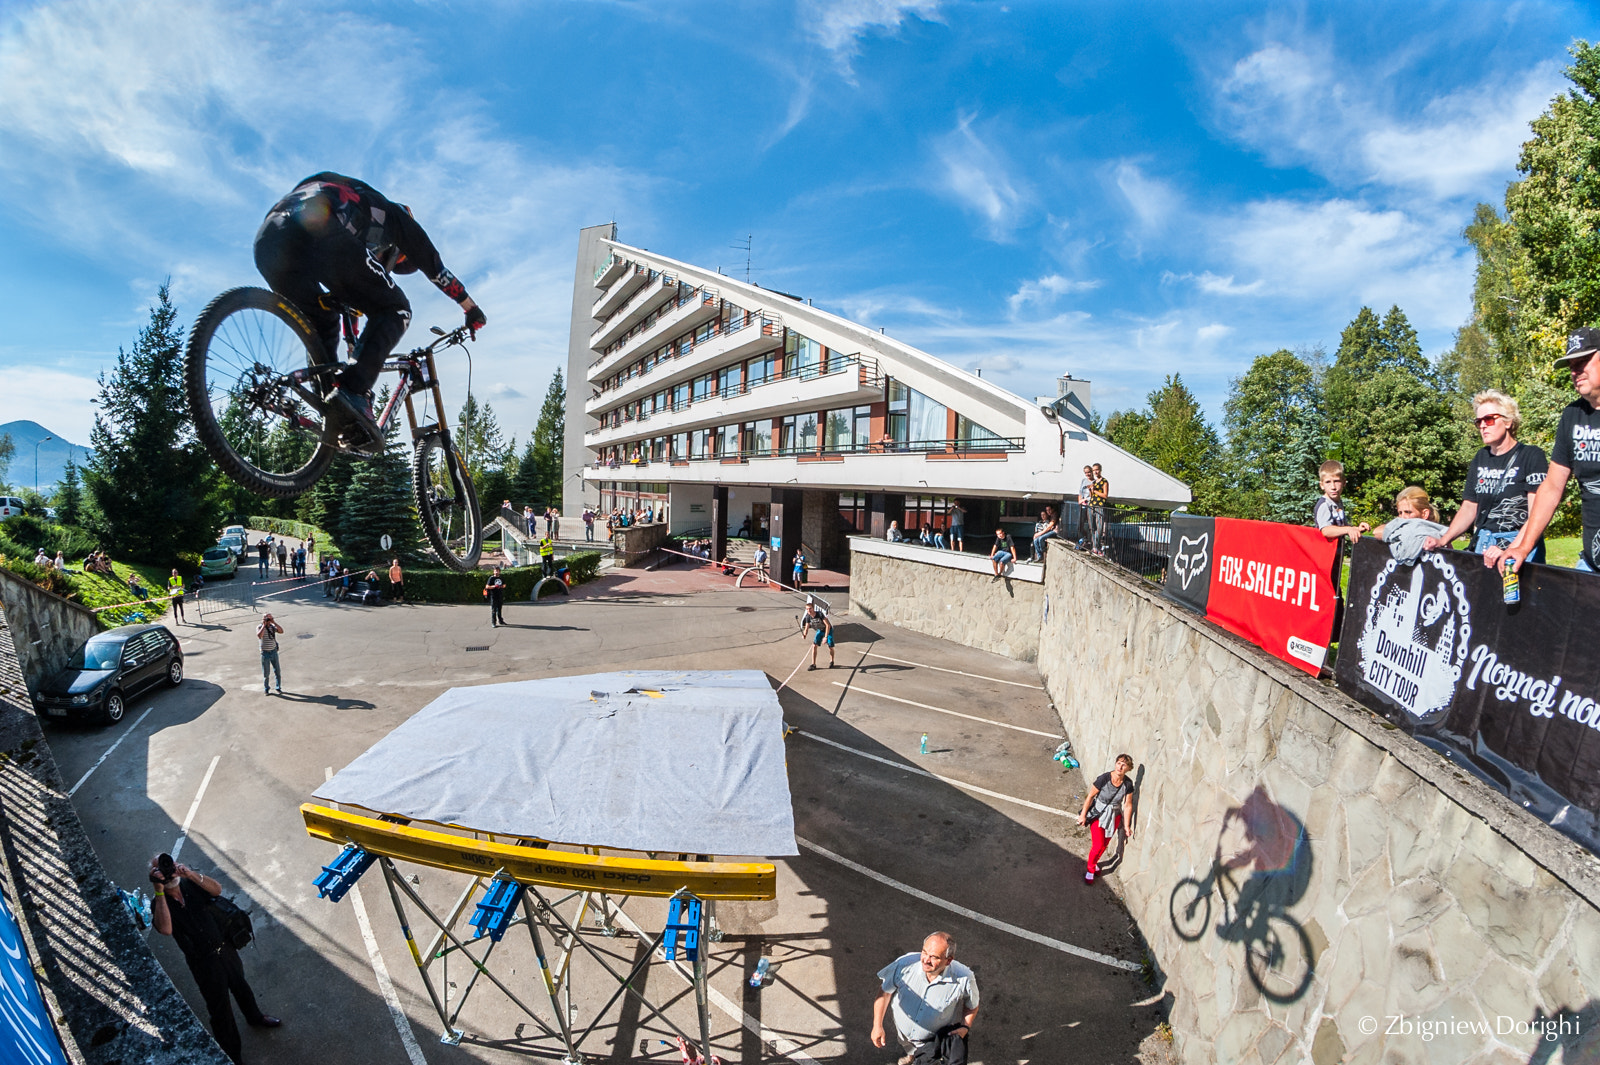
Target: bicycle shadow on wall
{"x":1262,"y":866}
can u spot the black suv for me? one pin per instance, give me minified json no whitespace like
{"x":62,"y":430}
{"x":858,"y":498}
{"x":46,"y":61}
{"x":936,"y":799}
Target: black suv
{"x":109,"y":670}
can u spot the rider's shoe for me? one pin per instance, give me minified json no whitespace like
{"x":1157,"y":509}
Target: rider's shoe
{"x":356,"y":411}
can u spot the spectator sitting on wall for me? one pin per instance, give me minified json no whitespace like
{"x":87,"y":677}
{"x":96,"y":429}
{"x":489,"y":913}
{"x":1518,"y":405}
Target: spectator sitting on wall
{"x":1407,"y":534}
{"x":895,"y":536}
{"x":1043,"y":529}
{"x":1002,"y":554}
{"x":925,"y":536}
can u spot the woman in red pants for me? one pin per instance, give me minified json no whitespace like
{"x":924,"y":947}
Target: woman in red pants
{"x":1107,"y":808}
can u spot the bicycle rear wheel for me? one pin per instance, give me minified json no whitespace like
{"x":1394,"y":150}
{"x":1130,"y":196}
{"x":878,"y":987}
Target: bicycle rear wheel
{"x":254,"y":372}
{"x":447,"y":504}
{"x":1189,"y":907}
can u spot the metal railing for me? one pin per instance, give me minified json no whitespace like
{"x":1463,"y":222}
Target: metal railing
{"x":956,"y":447}
{"x":870,"y":377}
{"x":681,"y":346}
{"x":646,"y":291}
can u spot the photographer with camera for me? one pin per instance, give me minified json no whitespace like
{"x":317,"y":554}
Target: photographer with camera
{"x":183,"y":908}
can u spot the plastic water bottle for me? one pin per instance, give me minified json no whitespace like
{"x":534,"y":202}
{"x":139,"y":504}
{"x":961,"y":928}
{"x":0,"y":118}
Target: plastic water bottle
{"x":1513,"y":584}
{"x":759,"y":977}
{"x":924,"y":743}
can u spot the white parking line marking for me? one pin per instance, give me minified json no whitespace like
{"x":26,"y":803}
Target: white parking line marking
{"x":1004,"y":926}
{"x":787,"y":1047}
{"x":402,"y":1023}
{"x":942,"y":669}
{"x":952,"y":713}
{"x":194,"y":807}
{"x":947,"y":780}
{"x":136,"y":722}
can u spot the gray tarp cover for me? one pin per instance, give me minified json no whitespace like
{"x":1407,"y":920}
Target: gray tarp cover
{"x":592,"y":760}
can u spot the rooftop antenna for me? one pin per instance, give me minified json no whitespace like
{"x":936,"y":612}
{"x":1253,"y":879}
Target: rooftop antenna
{"x":748,"y":243}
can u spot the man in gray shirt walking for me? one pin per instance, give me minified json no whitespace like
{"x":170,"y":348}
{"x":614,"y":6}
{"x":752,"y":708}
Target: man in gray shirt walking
{"x":934,"y":999}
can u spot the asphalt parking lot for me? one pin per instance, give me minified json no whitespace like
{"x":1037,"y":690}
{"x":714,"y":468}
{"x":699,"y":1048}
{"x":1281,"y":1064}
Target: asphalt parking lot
{"x":974,"y":837}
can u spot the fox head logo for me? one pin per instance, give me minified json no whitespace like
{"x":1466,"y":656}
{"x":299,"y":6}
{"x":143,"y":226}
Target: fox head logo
{"x":1191,"y":558}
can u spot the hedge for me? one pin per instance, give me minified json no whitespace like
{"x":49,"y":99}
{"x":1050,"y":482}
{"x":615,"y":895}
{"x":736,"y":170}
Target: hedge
{"x":448,"y":586}
{"x":300,"y":530}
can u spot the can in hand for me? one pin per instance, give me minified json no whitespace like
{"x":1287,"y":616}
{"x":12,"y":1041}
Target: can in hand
{"x":1513,"y":585}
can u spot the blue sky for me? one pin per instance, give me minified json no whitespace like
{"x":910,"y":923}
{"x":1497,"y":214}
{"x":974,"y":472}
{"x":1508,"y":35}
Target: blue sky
{"x":1119,"y":191}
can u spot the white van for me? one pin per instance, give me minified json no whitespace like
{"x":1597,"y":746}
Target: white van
{"x":10,"y":507}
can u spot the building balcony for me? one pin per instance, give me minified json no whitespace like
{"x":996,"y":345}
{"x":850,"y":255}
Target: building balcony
{"x":609,"y":271}
{"x":667,"y":321}
{"x":846,"y":383}
{"x":629,"y":280}
{"x":637,"y":308}
{"x":734,"y":341}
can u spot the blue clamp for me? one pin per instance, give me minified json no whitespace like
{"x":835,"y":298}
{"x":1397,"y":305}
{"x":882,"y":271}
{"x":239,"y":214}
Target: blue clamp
{"x":499,"y":902}
{"x":340,"y":875}
{"x":683,"y":915}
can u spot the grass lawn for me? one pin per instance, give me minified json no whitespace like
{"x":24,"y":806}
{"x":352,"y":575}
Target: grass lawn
{"x":94,"y":590}
{"x":1562,"y":551}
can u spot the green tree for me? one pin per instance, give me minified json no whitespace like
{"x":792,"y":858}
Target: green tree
{"x":324,"y":504}
{"x":548,"y":438}
{"x":1368,"y":347}
{"x":377,"y":502}
{"x":485,"y":449}
{"x":8,"y":448}
{"x":148,"y":477}
{"x":1173,"y":435}
{"x":1277,"y":436}
{"x":1556,"y":206}
{"x":1414,"y":437}
{"x":524,"y":489}
{"x":68,"y":499}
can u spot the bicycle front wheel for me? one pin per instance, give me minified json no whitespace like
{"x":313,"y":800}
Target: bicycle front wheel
{"x":1279,"y":959}
{"x":254,"y":373}
{"x":447,"y":504}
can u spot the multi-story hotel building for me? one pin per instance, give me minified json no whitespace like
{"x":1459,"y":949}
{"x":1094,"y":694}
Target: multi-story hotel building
{"x":703,"y":396}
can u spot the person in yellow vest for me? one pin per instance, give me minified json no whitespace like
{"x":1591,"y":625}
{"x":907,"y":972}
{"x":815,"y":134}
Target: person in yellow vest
{"x":547,"y":556}
{"x":175,"y":589}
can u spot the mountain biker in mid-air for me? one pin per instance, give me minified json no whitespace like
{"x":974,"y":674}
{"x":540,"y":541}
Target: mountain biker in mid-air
{"x":342,"y":234}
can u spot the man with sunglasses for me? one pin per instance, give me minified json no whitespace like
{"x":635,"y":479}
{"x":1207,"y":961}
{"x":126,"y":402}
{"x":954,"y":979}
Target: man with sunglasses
{"x":1576,"y":454}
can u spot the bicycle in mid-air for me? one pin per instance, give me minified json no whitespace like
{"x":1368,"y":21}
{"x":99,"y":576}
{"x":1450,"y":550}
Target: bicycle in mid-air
{"x":255,"y":373}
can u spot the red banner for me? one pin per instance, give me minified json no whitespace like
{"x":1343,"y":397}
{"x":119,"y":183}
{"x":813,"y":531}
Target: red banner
{"x":1273,"y":585}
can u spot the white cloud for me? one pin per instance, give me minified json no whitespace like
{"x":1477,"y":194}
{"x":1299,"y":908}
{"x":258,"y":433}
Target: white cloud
{"x":58,"y":400}
{"x":839,"y":25}
{"x":1213,"y":284}
{"x":1046,"y":290}
{"x":1152,"y":200}
{"x":1214,"y":331}
{"x":978,"y":177}
{"x":168,"y":129}
{"x":501,"y":390}
{"x":1296,"y":105}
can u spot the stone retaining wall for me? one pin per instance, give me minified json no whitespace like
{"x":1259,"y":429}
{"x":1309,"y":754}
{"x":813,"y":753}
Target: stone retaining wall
{"x":1415,"y":896}
{"x":948,"y":595}
{"x":636,"y":545}
{"x":50,"y":628}
{"x":113,"y":1002}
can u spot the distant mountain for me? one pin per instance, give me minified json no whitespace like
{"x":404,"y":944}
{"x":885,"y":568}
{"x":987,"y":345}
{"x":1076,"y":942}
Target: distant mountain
{"x":53,"y":455}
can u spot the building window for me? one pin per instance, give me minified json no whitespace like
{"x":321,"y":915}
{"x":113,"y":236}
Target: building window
{"x":700,"y":444}
{"x":849,"y":429}
{"x":853,"y":509}
{"x":758,"y":438}
{"x":974,"y":435}
{"x":727,"y":441}
{"x":703,"y":386}
{"x":801,"y":355}
{"x":913,"y":417}
{"x":728,"y":381}
{"x":680,"y":395}
{"x":759,"y":370}
{"x":680,"y":446}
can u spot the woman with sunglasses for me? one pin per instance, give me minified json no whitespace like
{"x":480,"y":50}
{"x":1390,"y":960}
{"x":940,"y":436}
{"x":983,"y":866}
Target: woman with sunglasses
{"x":1501,"y":481}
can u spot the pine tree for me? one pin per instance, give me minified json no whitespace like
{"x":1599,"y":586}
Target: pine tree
{"x":548,"y":438}
{"x":69,"y":497}
{"x":8,"y":448}
{"x":379,"y":502}
{"x":148,"y":478}
{"x":324,"y":505}
{"x":1277,"y":436}
{"x":524,"y":487}
{"x":1173,"y":435}
{"x":1368,"y":348}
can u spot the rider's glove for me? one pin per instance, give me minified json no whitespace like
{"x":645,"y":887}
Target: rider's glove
{"x":475,"y":319}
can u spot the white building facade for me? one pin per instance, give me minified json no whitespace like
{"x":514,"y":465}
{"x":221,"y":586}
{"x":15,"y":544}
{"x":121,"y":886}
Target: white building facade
{"x":710,"y":398}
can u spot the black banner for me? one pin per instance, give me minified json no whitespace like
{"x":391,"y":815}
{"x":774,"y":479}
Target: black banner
{"x":1193,"y":550}
{"x":1510,"y":690}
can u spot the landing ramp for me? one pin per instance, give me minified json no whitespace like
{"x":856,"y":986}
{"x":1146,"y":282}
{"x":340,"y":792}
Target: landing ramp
{"x":655,"y":761}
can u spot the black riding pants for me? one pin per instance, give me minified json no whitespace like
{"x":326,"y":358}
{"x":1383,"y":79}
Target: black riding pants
{"x":218,"y":974}
{"x":301,"y":250}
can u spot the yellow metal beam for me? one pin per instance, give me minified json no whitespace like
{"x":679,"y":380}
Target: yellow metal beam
{"x":737,"y":881}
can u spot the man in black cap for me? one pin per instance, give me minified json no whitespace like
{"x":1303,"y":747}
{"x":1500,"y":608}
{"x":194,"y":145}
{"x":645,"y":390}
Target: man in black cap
{"x":1576,"y":453}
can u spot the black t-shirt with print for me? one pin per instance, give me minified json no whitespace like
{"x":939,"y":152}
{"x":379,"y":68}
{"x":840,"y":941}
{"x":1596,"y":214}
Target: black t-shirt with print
{"x":1578,"y":449}
{"x":1500,"y":485}
{"x":1109,"y":794}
